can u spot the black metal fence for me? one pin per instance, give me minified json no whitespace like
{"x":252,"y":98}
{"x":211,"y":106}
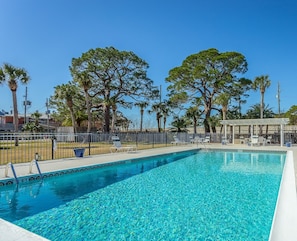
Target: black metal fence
{"x":48,"y":146}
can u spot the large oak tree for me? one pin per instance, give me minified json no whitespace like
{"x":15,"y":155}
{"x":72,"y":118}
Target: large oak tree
{"x":206,"y":74}
{"x":113,"y":76}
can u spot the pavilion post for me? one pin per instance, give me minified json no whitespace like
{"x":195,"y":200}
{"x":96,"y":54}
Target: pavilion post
{"x":282,"y":135}
{"x":252,"y":131}
{"x":233,"y":134}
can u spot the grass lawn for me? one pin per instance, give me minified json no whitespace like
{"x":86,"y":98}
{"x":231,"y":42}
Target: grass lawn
{"x":26,"y":150}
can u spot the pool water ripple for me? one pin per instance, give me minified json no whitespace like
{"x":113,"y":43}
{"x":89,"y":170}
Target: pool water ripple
{"x":195,"y":198}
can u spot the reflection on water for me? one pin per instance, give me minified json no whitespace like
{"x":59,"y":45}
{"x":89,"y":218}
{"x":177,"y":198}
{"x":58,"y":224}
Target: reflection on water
{"x":245,"y":162}
{"x":17,"y":202}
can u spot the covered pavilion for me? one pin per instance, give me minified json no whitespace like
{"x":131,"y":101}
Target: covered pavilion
{"x":256,"y":122}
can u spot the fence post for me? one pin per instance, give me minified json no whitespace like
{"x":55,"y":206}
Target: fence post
{"x":53,"y":146}
{"x":89,"y":139}
{"x":136,"y":139}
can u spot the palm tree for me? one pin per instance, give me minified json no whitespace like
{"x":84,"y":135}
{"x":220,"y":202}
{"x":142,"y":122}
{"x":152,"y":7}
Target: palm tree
{"x":194,"y":112}
{"x":165,"y":108}
{"x":33,"y":126}
{"x":180,"y":124}
{"x":67,"y":92}
{"x":223,"y":100}
{"x":142,"y":105}
{"x":261,"y":83}
{"x":13,"y":75}
{"x":292,"y":115}
{"x":239,"y":92}
{"x":36,"y":115}
{"x":157,"y":109}
{"x":86,"y":84}
{"x":253,"y":113}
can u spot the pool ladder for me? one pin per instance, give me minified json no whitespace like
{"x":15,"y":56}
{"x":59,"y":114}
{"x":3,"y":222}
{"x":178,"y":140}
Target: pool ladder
{"x":35,"y":161}
{"x":13,"y":171}
{"x":203,"y":144}
{"x":30,"y":168}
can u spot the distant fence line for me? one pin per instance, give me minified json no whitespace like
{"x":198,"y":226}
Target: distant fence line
{"x":51,"y":146}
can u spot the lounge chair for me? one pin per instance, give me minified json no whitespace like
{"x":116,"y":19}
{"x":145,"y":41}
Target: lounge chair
{"x":117,"y":146}
{"x":206,"y":139}
{"x":197,"y":139}
{"x":178,"y":141}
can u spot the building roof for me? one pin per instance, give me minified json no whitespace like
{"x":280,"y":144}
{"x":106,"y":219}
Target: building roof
{"x":3,"y":113}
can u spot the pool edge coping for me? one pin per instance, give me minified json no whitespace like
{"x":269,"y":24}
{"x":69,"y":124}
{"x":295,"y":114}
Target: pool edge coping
{"x":284,"y":221}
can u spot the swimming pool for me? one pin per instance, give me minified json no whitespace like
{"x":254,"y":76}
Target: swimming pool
{"x":215,"y":195}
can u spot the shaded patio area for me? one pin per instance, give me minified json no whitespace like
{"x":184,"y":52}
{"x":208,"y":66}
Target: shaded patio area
{"x":255,"y":126}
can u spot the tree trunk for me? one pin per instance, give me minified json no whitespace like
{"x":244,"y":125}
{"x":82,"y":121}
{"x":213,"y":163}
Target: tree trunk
{"x":15,"y":117}
{"x":207,"y":113}
{"x":214,"y":130}
{"x":164,"y":124}
{"x":159,"y":122}
{"x":88,"y":111}
{"x":113,"y":119}
{"x":106,"y":118}
{"x":262,"y":112}
{"x":195,"y":125}
{"x":262,"y":106}
{"x":73,"y":120}
{"x":70,"y":106}
{"x":206,"y":126}
{"x":206,"y":123}
{"x":141,"y":119}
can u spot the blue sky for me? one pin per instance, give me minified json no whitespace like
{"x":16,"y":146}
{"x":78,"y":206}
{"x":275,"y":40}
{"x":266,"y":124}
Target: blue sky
{"x":43,"y":37}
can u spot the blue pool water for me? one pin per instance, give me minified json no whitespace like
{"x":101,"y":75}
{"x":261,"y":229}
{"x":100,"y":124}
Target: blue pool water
{"x":189,"y":196}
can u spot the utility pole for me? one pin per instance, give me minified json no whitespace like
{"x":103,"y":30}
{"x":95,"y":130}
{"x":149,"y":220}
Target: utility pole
{"x":26,"y":103}
{"x":47,"y":112}
{"x":160,"y":108}
{"x":278,"y":97}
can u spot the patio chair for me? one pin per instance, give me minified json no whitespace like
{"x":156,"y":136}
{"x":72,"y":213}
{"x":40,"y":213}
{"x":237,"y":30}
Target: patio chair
{"x":261,"y":140}
{"x":117,"y":146}
{"x":254,"y":140}
{"x":269,"y":140}
{"x":225,"y":140}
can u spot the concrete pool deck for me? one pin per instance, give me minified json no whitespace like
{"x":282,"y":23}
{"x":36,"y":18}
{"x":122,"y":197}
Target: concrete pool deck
{"x":13,"y":233}
{"x":22,"y":169}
